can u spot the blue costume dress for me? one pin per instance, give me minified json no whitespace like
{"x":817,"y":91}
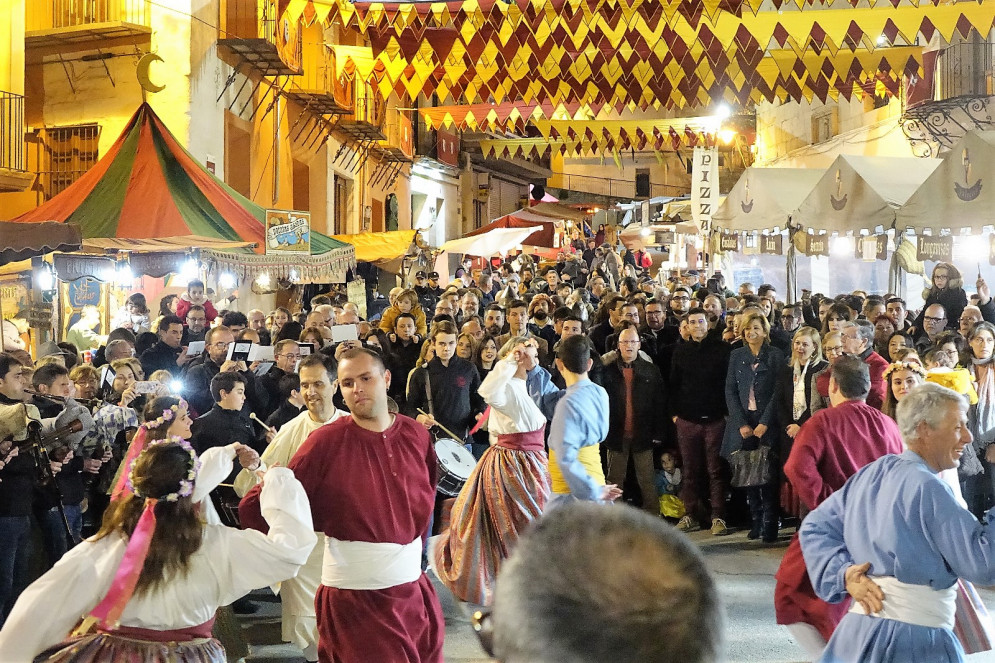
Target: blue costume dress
{"x":898,"y":515}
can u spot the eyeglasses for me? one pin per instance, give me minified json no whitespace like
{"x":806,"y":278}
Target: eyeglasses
{"x":291,"y":355}
{"x":681,"y":299}
{"x":628,"y":342}
{"x":928,"y":318}
{"x":831,"y":349}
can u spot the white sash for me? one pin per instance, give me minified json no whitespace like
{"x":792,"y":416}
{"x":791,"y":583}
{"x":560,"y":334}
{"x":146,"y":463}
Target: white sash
{"x":914,"y":604}
{"x":365,"y":565}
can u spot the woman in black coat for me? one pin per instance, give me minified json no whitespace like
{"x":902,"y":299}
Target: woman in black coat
{"x":947,"y":291}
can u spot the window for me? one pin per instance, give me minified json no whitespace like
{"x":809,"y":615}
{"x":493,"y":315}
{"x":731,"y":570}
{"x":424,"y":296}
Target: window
{"x":642,"y":183}
{"x":342,"y":193}
{"x":825,"y":124}
{"x":67,"y":153}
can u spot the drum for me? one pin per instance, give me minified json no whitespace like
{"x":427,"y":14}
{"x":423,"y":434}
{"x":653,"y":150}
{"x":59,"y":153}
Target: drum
{"x":455,"y":465}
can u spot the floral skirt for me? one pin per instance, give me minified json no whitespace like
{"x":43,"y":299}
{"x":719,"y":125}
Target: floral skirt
{"x":111,"y":648}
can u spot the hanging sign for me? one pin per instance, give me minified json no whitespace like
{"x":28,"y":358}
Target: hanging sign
{"x":704,"y":186}
{"x":815,"y":245}
{"x":666,"y":237}
{"x":771,"y":244}
{"x":728,"y":242}
{"x":288,"y":232}
{"x":935,"y":248}
{"x":871,"y":248}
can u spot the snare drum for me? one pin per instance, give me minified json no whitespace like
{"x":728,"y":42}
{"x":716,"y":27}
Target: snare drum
{"x":455,"y":465}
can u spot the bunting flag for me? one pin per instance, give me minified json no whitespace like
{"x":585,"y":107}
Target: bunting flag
{"x":630,"y":54}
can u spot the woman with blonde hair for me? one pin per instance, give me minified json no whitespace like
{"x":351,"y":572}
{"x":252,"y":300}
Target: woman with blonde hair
{"x":508,"y":487}
{"x":152,"y":579}
{"x":466,"y":346}
{"x":832,"y":349}
{"x":795,"y":398}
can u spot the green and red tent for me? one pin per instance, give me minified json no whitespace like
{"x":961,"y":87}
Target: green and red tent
{"x":148,"y":186}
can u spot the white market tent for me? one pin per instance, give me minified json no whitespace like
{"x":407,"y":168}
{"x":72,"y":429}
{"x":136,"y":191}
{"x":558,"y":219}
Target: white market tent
{"x":862,"y":193}
{"x":493,"y":242}
{"x":765,"y":198}
{"x":960,"y":193}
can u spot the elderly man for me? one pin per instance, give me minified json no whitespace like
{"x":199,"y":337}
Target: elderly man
{"x":587,"y":607}
{"x":317,"y":373}
{"x":198,"y":378}
{"x":896,"y":539}
{"x":286,"y":354}
{"x":637,"y":407}
{"x":934,"y":323}
{"x":970,"y":316}
{"x":257,"y":322}
{"x":858,"y":341}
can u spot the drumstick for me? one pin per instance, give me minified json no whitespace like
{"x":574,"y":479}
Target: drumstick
{"x":268,"y":429}
{"x":451,"y":434}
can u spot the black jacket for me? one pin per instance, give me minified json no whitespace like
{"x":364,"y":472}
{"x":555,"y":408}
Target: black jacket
{"x":220,"y":427}
{"x":197,"y":388}
{"x":455,"y":400}
{"x":268,"y":391}
{"x":160,"y":357}
{"x":649,"y":404}
{"x":282,"y":415}
{"x":400,"y":359}
{"x":698,"y":380}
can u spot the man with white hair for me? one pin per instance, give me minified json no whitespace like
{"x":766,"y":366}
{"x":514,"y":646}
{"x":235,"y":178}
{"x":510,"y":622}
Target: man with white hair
{"x":858,"y":341}
{"x":896,"y":539}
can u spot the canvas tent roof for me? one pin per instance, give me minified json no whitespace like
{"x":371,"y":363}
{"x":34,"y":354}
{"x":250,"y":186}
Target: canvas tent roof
{"x":22,"y":241}
{"x":861,"y":193}
{"x":960,"y":193}
{"x":544,"y":236}
{"x":765,"y":198}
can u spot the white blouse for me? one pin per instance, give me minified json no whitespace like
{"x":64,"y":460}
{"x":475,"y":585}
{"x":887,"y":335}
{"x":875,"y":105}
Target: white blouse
{"x":229,"y":564}
{"x":512,"y":409}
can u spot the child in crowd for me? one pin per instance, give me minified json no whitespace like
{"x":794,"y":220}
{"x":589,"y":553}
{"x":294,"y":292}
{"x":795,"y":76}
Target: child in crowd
{"x":405,"y":302}
{"x":668,"y":485}
{"x":291,"y":401}
{"x":195,"y":295}
{"x":941,"y":369}
{"x":134,"y":315}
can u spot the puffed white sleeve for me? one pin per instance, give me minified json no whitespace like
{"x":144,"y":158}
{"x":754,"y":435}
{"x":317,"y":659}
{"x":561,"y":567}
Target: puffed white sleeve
{"x":52,"y":606}
{"x":259,"y":560}
{"x":216,"y":463}
{"x":494,"y":388}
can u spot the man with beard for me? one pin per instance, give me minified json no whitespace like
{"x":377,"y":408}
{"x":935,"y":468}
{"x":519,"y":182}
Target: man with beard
{"x":374,"y":602}
{"x":540,"y":322}
{"x":680,"y":304}
{"x":257,"y":323}
{"x":196,"y":325}
{"x":599,"y":333}
{"x":317,"y":373}
{"x":791,"y":318}
{"x":714,"y":306}
{"x":494,"y":320}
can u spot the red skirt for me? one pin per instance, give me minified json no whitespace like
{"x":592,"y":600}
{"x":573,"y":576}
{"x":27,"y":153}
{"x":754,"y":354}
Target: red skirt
{"x":139,"y":646}
{"x":795,"y":600}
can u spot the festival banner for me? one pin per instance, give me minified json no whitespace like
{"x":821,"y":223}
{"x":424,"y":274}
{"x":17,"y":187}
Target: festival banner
{"x":871,"y":248}
{"x":704,"y":186}
{"x":935,"y":248}
{"x":815,"y":245}
{"x":771,"y":244}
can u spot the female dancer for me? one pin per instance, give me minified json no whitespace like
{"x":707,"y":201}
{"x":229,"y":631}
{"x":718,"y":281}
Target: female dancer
{"x":507,"y":489}
{"x":153,"y":577}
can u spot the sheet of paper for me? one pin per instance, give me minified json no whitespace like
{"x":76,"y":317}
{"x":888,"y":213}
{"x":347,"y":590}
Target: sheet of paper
{"x":345,"y":333}
{"x":195,"y":348}
{"x":261,"y":353}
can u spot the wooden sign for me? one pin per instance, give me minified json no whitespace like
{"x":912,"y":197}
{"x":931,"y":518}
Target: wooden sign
{"x":935,"y":248}
{"x":771,"y":244}
{"x":728,"y":242}
{"x":666,"y":237}
{"x":816,"y":245}
{"x":864,"y":250}
{"x":288,"y":232}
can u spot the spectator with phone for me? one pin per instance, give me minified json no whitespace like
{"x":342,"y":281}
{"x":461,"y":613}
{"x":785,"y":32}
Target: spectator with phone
{"x":198,"y":379}
{"x":168,"y":353}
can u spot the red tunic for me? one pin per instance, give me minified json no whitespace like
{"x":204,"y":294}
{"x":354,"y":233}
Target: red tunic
{"x":828,"y":450}
{"x":380,"y":488}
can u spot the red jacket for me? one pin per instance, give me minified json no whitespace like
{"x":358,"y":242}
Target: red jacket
{"x":183,"y":306}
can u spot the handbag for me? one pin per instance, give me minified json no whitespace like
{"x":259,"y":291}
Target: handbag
{"x":751,"y":468}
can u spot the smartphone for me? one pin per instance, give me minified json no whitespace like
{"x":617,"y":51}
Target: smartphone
{"x":146,"y":387}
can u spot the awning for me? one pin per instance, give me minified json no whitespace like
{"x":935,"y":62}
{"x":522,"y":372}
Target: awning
{"x":544,"y":228}
{"x":160,"y":245}
{"x":960,"y":192}
{"x":558,"y":211}
{"x":765,"y":198}
{"x":21,"y":241}
{"x":862,"y":193}
{"x":379,"y":246}
{"x":492,"y":242}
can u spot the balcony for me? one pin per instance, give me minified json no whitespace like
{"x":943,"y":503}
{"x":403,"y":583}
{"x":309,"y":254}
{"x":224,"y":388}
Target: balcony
{"x":63,"y":26}
{"x":366,"y":121}
{"x":253,"y":32}
{"x":319,"y":91}
{"x":397,"y":146}
{"x":13,"y":176}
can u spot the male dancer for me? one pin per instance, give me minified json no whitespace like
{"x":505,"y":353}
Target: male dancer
{"x":380,"y":470}
{"x":580,"y":422}
{"x":317,"y":374}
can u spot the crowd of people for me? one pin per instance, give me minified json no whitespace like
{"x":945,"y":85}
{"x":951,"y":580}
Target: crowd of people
{"x":448,"y":422}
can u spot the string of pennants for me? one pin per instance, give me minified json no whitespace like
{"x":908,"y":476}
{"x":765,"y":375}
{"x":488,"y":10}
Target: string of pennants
{"x":635,"y":53}
{"x":868,"y":248}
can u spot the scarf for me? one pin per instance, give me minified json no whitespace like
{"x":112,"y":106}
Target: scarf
{"x":798,"y":402}
{"x":981,"y":416}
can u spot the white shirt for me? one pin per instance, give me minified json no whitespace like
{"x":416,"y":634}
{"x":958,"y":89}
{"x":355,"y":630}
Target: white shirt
{"x":229,"y":564}
{"x":512,"y":409}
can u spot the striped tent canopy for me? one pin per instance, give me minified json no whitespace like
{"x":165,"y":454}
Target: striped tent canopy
{"x":148,"y":186}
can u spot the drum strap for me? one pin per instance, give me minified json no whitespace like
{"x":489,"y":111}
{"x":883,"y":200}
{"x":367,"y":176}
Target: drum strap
{"x":428,"y":391}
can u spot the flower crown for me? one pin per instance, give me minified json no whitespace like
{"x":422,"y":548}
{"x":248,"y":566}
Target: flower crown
{"x":186,"y":485}
{"x":167,"y":415}
{"x":913,"y":366}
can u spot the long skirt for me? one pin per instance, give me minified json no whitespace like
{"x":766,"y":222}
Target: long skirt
{"x":795,"y":600}
{"x":506,"y":491}
{"x":112,"y":648}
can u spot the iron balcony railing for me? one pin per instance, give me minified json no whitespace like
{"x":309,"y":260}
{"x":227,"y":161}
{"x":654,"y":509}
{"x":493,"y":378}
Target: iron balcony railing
{"x":57,"y":14}
{"x":12,"y":131}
